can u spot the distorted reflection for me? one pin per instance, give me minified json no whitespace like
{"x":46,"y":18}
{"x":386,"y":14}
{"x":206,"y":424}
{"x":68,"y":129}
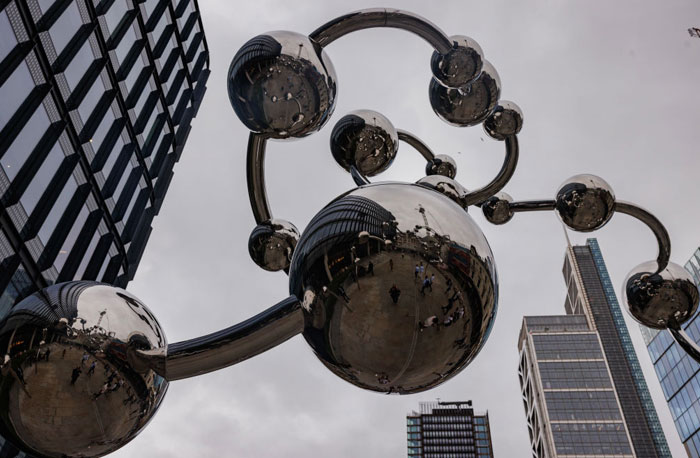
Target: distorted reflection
{"x":68,"y":378}
{"x":402,"y":286}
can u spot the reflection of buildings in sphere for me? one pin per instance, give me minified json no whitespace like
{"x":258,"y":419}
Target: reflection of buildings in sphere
{"x":353,"y":324}
{"x":69,"y":381}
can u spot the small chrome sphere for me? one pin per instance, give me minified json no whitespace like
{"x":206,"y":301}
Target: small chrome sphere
{"x":468,"y":105}
{"x":71,"y":381}
{"x":441,"y":164}
{"x":506,"y":120}
{"x":585,"y":202}
{"x":282,"y":84}
{"x":365,"y":139}
{"x":444,"y":185}
{"x":461,"y":65}
{"x":399,"y":317}
{"x":497,"y":209}
{"x":655,"y":299}
{"x":272,"y":243}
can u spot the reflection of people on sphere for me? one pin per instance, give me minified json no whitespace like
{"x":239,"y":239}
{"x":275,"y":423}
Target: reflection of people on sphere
{"x":430,"y":321}
{"x":91,"y":370}
{"x":432,"y":279}
{"x":74,"y":375}
{"x":370,"y":268}
{"x":394,"y":292}
{"x":415,"y":274}
{"x":426,"y":284}
{"x":449,"y":285}
{"x":391,"y":265}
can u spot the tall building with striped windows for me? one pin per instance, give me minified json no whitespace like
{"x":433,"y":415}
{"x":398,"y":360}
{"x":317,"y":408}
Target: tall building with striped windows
{"x":448,"y":429}
{"x":583,"y":388}
{"x":96,"y":102}
{"x":679,"y":374}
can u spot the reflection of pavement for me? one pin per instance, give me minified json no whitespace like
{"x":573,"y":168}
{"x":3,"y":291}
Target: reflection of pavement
{"x":59,"y":414}
{"x":378,"y":336}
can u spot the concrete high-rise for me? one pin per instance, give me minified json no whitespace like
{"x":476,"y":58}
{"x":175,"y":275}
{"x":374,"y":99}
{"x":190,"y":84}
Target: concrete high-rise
{"x":448,"y":429}
{"x":588,"y":360}
{"x":96,"y":101}
{"x":679,"y":374}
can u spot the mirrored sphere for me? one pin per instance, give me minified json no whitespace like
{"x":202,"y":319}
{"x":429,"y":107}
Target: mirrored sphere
{"x":497,"y":209}
{"x":399,"y":317}
{"x":506,"y":120}
{"x":444,"y":185}
{"x":441,"y":164}
{"x":461,"y":65}
{"x":272,"y":243}
{"x":365,"y":139}
{"x":655,"y":299}
{"x":70,"y":382}
{"x":585,"y":202}
{"x":282,"y":84}
{"x":468,"y":105}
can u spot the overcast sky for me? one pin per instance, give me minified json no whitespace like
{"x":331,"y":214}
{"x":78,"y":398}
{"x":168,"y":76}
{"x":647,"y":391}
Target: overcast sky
{"x":610,"y":88}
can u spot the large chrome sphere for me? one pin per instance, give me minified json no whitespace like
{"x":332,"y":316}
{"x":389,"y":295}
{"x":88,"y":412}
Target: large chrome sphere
{"x":364,"y":139}
{"x":70,"y":383}
{"x":461,"y":65}
{"x":655,"y":299}
{"x":373,"y":317}
{"x":506,"y":120}
{"x":585,"y":202}
{"x":469,"y":105}
{"x":282,"y":84}
{"x":272,"y":243}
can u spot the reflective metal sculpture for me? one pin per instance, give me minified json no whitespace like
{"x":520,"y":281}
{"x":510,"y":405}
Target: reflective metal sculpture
{"x":393,"y":285}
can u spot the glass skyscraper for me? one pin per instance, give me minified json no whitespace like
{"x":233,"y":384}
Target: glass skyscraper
{"x":96,"y":101}
{"x":448,"y":429}
{"x":679,"y":374}
{"x":590,"y":295}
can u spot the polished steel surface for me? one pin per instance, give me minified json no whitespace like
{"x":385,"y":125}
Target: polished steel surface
{"x":255,"y":175}
{"x":658,"y":299}
{"x":357,"y":177}
{"x":366,"y":140}
{"x":685,"y":341}
{"x":505,"y":120}
{"x":441,"y":164}
{"x":71,"y":382}
{"x":660,"y":232}
{"x":373,"y":316}
{"x":460,"y":66}
{"x":497,"y":209}
{"x":445,"y":185}
{"x":416,"y":143}
{"x":282,"y":84}
{"x":585,"y":202}
{"x":469,"y":105}
{"x":272,"y":243}
{"x":382,"y":17}
{"x":532,"y":205}
{"x":229,"y":346}
{"x":510,"y":162}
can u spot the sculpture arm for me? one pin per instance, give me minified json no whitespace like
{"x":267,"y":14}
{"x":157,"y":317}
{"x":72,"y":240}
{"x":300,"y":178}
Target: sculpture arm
{"x":660,"y":232}
{"x":416,"y":143}
{"x":255,"y":175}
{"x":504,"y":175}
{"x":382,"y":17}
{"x":229,"y":346}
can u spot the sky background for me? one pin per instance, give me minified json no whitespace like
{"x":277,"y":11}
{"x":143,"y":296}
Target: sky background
{"x":609,"y":88}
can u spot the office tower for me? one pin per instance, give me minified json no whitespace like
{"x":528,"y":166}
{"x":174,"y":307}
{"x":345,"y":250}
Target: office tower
{"x":679,"y":374}
{"x":613,"y":365}
{"x":448,"y":429}
{"x":96,"y":101}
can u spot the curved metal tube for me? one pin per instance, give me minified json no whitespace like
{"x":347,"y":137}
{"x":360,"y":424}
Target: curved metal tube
{"x":229,"y":346}
{"x":656,"y":227}
{"x":382,"y":17}
{"x":531,"y":205}
{"x":360,"y":179}
{"x":416,"y":143}
{"x":684,"y":340}
{"x":504,"y":175}
{"x":255,"y":175}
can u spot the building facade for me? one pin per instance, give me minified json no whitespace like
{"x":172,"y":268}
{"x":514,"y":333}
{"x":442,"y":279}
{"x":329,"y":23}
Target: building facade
{"x":679,"y":374}
{"x":97,"y":98}
{"x":590,"y":298}
{"x":570,"y":401}
{"x":448,"y":430}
